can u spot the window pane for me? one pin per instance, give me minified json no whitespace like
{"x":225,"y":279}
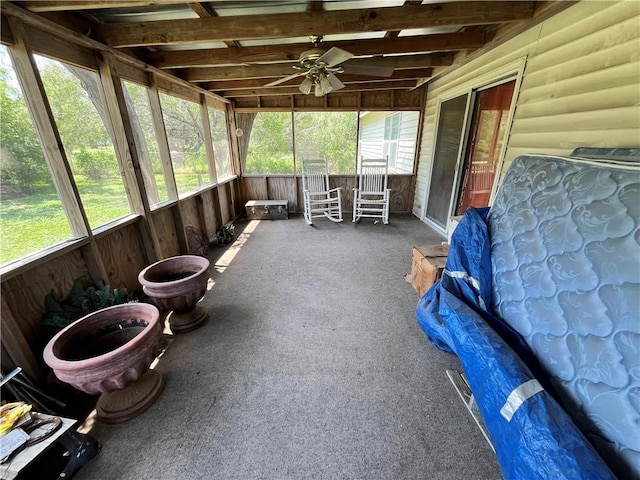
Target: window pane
{"x":270,"y":149}
{"x":183,"y":124}
{"x":330,"y":135}
{"x":74,"y":95}
{"x":390,"y":133}
{"x":218,"y":123}
{"x":31,"y":214}
{"x":146,"y":142}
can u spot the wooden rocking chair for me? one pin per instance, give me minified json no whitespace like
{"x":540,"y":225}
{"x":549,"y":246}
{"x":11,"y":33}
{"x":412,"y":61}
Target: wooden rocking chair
{"x":371,"y":197}
{"x":319,"y":199}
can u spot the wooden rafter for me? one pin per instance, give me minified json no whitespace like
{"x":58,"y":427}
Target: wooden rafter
{"x":445,"y":42}
{"x":204,"y":11}
{"x":280,"y":70}
{"x":354,"y":87}
{"x":180,"y":31}
{"x":413,"y":73}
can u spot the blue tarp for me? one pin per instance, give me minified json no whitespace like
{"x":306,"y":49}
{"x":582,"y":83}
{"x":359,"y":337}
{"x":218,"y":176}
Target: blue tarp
{"x":539,"y":440}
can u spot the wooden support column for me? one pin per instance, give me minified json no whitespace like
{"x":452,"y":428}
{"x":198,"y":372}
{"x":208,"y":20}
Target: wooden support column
{"x":165,"y":158}
{"x":127,"y":153}
{"x":45,"y":126}
{"x":208,"y":140}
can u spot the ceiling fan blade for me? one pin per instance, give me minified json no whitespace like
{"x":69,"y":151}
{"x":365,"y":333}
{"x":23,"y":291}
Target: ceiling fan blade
{"x":368,"y":70}
{"x":334,"y":56}
{"x":285,"y":79}
{"x":335,"y":83}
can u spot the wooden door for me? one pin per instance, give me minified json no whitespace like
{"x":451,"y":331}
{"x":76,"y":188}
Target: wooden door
{"x":489,"y":124}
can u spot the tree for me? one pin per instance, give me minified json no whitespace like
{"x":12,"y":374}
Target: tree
{"x":23,"y":163}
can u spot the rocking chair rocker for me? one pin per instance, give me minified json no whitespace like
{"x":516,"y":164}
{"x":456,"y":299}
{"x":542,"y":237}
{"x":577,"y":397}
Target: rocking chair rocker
{"x":319,"y":199}
{"x":371,"y":198}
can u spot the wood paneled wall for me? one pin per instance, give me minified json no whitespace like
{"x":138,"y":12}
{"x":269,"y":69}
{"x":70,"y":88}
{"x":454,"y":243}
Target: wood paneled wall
{"x":122,"y":253}
{"x":290,"y":188}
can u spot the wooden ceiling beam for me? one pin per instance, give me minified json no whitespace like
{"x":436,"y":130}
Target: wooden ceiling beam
{"x":354,"y":87}
{"x":315,"y":6}
{"x":414,"y":73}
{"x":205,"y":12}
{"x":179,"y":31}
{"x":442,"y":42}
{"x":281,"y":69}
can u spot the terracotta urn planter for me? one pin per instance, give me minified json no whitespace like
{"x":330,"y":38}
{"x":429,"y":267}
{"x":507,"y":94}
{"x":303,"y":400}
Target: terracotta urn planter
{"x":109,"y":352}
{"x":176,"y":284}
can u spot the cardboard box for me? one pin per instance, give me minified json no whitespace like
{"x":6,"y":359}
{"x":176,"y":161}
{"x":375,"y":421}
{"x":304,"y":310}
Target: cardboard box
{"x":427,"y":265}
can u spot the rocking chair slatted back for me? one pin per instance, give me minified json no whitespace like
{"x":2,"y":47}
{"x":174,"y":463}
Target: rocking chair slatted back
{"x":371,"y":197}
{"x":373,"y":175}
{"x":315,"y":176}
{"x":319,"y":198}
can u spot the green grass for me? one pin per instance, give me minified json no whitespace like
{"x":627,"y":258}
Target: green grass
{"x":33,"y":223}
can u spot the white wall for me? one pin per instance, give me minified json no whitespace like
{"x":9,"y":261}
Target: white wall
{"x":580,"y":85}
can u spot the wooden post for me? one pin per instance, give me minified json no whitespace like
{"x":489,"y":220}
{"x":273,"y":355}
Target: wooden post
{"x":208,"y":140}
{"x":127,"y":153}
{"x":45,"y":126}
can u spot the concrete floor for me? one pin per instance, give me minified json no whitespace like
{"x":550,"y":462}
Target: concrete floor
{"x":311,"y":366}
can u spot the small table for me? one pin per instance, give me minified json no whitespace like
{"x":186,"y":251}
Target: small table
{"x":82,"y":448}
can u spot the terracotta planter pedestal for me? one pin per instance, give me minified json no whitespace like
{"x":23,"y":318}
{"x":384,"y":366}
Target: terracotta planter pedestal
{"x":176,"y":284}
{"x":109,"y":352}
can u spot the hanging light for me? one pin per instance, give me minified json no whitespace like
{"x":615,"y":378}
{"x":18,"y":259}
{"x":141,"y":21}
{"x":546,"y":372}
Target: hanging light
{"x":325,"y":84}
{"x":305,"y":86}
{"x":318,"y":89}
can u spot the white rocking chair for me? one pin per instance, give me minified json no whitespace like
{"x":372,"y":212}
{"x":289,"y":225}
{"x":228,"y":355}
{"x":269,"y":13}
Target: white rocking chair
{"x":371,"y":197}
{"x":319,"y":199}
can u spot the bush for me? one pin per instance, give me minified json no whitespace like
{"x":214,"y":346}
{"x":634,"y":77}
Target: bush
{"x":269,"y":164}
{"x":95,"y":164}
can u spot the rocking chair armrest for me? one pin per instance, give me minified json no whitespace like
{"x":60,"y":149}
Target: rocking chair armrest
{"x":334,"y":189}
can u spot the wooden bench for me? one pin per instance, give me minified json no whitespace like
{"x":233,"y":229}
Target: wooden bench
{"x":267,"y":209}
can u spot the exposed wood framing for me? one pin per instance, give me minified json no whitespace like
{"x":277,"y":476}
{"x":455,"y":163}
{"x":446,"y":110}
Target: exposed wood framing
{"x":51,"y":143}
{"x":413,"y":73}
{"x":59,"y":32}
{"x":399,"y":84}
{"x":446,"y":42}
{"x":177,"y":31}
{"x":280,"y":70}
{"x":128,"y":154}
{"x":208,"y":141}
{"x":163,"y":144}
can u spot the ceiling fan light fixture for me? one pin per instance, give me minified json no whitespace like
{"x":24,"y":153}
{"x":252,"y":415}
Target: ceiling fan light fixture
{"x":325,"y":84}
{"x":305,"y":86}
{"x":318,"y":90}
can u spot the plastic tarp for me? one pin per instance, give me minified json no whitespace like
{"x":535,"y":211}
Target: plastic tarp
{"x":532,"y":435}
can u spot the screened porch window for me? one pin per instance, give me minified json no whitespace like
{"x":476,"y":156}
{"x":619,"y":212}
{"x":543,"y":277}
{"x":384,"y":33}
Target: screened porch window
{"x":75,"y":97}
{"x":31,"y":214}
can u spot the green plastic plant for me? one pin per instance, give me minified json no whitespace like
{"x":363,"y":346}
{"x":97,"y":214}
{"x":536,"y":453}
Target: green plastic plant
{"x":81,"y":302}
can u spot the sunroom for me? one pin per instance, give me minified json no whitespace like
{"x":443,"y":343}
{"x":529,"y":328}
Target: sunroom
{"x":134,"y":132}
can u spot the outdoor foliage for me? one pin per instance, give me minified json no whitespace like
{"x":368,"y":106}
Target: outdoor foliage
{"x":270,"y":147}
{"x":95,"y":164}
{"x":317,"y":135}
{"x":81,"y":302}
{"x":23,"y":164}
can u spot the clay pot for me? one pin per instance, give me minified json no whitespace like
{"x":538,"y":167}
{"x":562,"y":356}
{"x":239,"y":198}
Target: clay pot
{"x":176,"y":284}
{"x":109,"y":352}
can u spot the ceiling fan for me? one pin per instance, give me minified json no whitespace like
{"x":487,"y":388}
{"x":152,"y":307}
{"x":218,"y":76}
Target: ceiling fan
{"x":320,"y":67}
